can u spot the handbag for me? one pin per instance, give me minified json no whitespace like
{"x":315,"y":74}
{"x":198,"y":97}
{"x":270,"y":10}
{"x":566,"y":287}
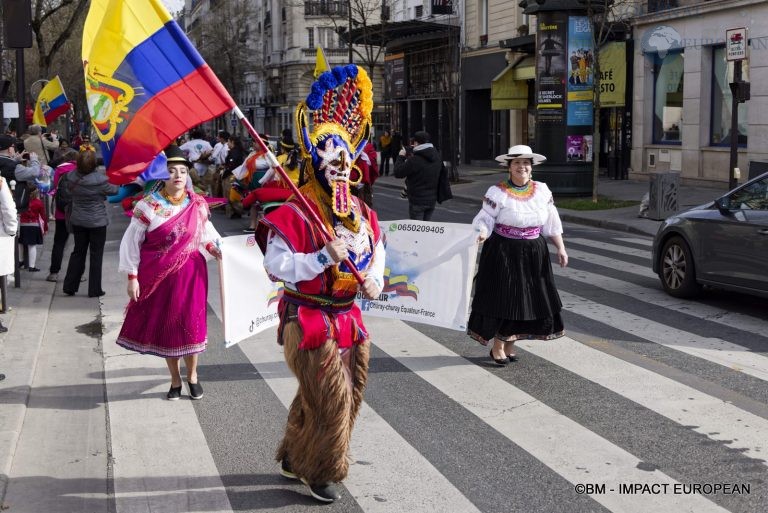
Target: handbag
{"x":444,"y":192}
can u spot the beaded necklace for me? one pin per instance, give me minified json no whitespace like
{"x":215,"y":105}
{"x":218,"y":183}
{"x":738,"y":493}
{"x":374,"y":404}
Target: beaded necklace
{"x":174,"y":201}
{"x":523,"y":193}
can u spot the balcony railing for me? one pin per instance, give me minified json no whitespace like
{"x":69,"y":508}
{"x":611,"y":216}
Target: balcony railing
{"x":330,"y":52}
{"x":325,"y":8}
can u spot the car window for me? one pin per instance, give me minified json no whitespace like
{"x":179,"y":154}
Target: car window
{"x":752,"y":197}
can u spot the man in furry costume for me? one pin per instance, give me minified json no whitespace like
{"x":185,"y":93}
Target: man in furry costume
{"x":321,"y":329}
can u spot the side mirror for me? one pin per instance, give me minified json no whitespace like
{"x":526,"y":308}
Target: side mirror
{"x":724,"y":205}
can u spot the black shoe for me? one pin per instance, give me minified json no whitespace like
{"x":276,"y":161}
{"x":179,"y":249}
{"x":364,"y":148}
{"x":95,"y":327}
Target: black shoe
{"x":195,"y":390}
{"x":97,"y":295}
{"x":512,"y":357}
{"x":22,"y":266}
{"x":3,"y":329}
{"x":324,"y":492}
{"x":69,"y":293}
{"x":285,"y":470}
{"x":499,"y":361}
{"x":33,"y":270}
{"x":2,"y":377}
{"x":174,"y":394}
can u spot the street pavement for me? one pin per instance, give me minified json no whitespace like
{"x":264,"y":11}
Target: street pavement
{"x":645,"y":389}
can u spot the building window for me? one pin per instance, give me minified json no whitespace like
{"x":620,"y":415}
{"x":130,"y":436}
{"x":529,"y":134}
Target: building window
{"x":483,"y":22}
{"x":310,"y":37}
{"x":722,"y":76}
{"x":418,"y":11}
{"x":668,"y":98}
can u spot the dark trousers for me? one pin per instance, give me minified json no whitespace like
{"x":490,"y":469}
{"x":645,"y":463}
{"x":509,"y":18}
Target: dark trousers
{"x":420,"y":212}
{"x":384,"y":166}
{"x":86,"y":239}
{"x":59,"y":241}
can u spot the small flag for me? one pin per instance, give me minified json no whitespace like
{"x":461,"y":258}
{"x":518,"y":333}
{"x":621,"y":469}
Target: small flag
{"x":51,"y":103}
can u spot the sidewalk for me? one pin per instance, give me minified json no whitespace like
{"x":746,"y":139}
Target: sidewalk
{"x":478,"y":179}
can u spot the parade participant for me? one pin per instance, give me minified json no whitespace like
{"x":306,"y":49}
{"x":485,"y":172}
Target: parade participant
{"x":162,"y":254}
{"x":326,"y":344}
{"x":515,"y":295}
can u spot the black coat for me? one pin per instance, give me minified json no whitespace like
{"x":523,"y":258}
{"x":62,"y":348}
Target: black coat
{"x":421,"y":172}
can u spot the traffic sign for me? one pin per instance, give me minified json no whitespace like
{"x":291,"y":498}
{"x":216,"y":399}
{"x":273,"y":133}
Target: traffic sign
{"x":736,"y":44}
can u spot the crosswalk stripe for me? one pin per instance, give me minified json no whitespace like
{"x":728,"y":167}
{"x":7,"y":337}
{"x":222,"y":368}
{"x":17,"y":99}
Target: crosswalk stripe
{"x":687,"y":406}
{"x":664,"y":300}
{"x":624,"y":250}
{"x":569,"y":449}
{"x":715,"y":350}
{"x":633,"y":240}
{"x":612,"y":263}
{"x":412,"y":483}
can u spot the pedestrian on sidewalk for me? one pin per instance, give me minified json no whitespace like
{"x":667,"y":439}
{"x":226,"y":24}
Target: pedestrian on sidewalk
{"x":515,"y":295}
{"x":33,"y":226}
{"x":162,"y":254}
{"x":385,"y":147}
{"x":61,"y":233}
{"x":87,"y":189}
{"x":420,"y":165}
{"x":8,"y":226}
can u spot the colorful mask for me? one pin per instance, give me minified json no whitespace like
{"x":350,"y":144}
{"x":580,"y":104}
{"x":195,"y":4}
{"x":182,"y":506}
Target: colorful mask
{"x":341,"y":102}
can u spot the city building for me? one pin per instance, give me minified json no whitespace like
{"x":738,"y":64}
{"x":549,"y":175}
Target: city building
{"x":682,"y":97}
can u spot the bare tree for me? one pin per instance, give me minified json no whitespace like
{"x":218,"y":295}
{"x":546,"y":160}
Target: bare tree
{"x":53,"y":24}
{"x":224,"y":42}
{"x":606,"y":15}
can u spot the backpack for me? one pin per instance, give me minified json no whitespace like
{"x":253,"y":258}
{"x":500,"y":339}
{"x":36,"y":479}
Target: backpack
{"x":21,"y":197}
{"x":62,"y":197}
{"x":444,"y":192}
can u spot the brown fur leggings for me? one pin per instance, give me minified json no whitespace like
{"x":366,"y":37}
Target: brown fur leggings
{"x":322,"y":414}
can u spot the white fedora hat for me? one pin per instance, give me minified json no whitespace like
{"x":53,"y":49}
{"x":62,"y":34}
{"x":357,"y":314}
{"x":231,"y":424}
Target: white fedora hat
{"x":521,"y":151}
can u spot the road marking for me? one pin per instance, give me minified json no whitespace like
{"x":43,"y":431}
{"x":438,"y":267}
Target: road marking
{"x":410,"y":481}
{"x":707,"y":415}
{"x":716,"y":350}
{"x":565,"y":446}
{"x":632,"y":240}
{"x":611,"y":263}
{"x":623,"y":250}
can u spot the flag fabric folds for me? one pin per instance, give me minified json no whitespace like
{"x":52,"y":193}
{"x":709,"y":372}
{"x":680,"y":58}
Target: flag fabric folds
{"x":145,"y":83}
{"x":51,"y":103}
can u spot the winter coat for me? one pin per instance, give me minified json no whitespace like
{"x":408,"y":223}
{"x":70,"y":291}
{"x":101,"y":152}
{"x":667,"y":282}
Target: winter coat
{"x":421,"y":172}
{"x":88,"y":194}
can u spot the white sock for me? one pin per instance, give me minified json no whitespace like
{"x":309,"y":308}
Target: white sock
{"x":32,"y":252}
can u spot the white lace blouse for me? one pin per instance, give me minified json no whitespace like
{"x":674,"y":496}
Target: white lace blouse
{"x":150,"y":213}
{"x":505,"y":206}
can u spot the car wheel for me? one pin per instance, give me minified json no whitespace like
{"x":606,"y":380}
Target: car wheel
{"x":676,"y":269}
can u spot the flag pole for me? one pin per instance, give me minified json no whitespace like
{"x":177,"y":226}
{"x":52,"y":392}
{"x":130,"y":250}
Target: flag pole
{"x":275,"y":164}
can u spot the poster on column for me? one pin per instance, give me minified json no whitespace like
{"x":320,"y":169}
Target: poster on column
{"x":551,"y":67}
{"x":248,"y":297}
{"x":581,"y":64}
{"x":428,"y":274}
{"x":579,"y":148}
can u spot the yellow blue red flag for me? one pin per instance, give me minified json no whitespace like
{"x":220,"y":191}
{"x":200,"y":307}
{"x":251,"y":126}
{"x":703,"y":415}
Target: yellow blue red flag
{"x":145,"y":83}
{"x":51,"y":103}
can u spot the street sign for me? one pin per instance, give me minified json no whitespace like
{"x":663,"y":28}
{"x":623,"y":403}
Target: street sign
{"x":736,"y":44}
{"x":10,"y":110}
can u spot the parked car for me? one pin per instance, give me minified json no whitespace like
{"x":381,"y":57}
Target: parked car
{"x":723,"y":244}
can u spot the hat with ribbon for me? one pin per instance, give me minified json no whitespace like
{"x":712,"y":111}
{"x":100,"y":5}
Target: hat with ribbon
{"x":521,"y":151}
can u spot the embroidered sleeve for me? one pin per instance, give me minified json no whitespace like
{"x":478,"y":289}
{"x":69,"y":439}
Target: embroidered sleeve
{"x":143,"y":212}
{"x":282,"y":264}
{"x":485,"y":220}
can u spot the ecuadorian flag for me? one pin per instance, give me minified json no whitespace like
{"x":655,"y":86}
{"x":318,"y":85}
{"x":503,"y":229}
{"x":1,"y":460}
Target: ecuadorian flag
{"x":51,"y":103}
{"x":145,"y":83}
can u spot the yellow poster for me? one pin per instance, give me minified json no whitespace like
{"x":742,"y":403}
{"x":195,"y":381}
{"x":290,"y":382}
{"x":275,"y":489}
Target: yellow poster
{"x":613,"y":74}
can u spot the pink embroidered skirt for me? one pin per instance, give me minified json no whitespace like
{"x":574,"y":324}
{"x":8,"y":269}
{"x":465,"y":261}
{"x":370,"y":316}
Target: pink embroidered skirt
{"x":171,"y":322}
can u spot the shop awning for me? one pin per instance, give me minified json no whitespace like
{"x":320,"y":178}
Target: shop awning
{"x":509,"y":90}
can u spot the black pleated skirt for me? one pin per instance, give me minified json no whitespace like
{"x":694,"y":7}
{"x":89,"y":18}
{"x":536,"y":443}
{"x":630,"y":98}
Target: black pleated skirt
{"x":515,"y":295}
{"x":30,"y":235}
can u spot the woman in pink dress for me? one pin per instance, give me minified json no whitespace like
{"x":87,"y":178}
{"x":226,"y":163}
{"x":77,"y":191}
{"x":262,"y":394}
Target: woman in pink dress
{"x":163,"y":254}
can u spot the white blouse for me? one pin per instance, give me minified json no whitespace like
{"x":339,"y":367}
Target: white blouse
{"x":290,"y":267}
{"x":150,"y":213}
{"x":502,"y":207}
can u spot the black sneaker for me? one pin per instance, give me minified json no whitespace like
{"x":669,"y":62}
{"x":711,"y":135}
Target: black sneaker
{"x":285,"y":470}
{"x":3,"y":329}
{"x":33,"y":270}
{"x":174,"y":394}
{"x":195,"y":390}
{"x":326,"y":492}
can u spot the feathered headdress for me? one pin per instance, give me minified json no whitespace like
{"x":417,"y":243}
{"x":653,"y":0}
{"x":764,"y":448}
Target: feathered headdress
{"x":340,"y":101}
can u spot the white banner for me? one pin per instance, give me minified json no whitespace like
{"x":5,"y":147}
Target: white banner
{"x":248,"y":297}
{"x":428,"y":275}
{"x":427,"y":279}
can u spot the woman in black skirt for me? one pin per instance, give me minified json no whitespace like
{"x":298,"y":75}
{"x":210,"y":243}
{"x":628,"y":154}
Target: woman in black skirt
{"x":515,"y":295}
